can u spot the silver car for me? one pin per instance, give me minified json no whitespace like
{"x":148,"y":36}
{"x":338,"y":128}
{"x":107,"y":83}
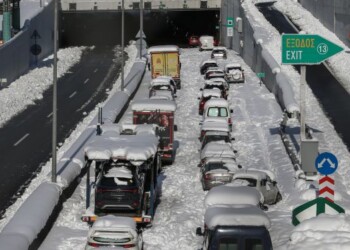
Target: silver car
{"x":262,"y":180}
{"x":217,"y":171}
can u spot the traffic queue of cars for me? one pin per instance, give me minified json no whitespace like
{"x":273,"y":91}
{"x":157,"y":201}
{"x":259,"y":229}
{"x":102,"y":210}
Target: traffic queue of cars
{"x":234,"y":217}
{"x":129,"y":157}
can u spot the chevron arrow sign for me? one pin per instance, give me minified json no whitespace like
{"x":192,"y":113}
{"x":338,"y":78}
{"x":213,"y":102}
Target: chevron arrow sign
{"x":326,"y":188}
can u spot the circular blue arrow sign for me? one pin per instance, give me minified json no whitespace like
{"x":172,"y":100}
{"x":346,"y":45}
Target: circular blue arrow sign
{"x":326,"y":163}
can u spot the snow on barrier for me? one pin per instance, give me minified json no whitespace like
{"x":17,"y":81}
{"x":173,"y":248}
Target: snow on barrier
{"x":32,"y":216}
{"x":250,"y":45}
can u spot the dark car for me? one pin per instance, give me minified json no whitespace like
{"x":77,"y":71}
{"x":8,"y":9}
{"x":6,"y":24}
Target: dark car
{"x":117,"y":189}
{"x":193,"y":41}
{"x":219,"y":53}
{"x":207,"y":64}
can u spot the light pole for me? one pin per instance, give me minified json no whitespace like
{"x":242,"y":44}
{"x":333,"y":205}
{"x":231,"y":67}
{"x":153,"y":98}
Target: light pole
{"x":122,"y":82}
{"x":141,"y":26}
{"x":54,"y":99}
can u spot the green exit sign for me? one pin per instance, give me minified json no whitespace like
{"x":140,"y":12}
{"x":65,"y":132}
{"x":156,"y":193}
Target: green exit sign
{"x":260,"y":74}
{"x":307,"y":49}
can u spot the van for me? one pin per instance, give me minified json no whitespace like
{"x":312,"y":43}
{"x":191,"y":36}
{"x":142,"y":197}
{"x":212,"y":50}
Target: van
{"x":218,"y":108}
{"x":239,"y":227}
{"x":165,"y":61}
{"x":206,"y":43}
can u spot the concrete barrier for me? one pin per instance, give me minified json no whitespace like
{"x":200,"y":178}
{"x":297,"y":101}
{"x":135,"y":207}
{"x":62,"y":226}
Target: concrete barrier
{"x":31,"y":218}
{"x":250,"y":45}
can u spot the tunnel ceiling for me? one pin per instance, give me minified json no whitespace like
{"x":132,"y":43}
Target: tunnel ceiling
{"x":160,"y":27}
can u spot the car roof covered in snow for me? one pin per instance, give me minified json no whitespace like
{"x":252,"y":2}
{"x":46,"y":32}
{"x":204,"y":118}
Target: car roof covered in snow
{"x":253,"y":174}
{"x":217,"y":149}
{"x":233,"y":65}
{"x":160,"y":82}
{"x":153,"y":105}
{"x":112,"y":144}
{"x":227,"y":195}
{"x":214,"y":83}
{"x":163,"y":48}
{"x":216,"y":102}
{"x":215,"y":70}
{"x":238,"y":215}
{"x":212,"y":92}
{"x":110,"y":222}
{"x":209,"y":133}
{"x":215,"y":124}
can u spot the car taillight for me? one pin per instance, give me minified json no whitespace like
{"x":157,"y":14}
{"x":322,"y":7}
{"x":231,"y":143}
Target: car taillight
{"x":202,"y":103}
{"x":229,"y":121}
{"x":133,"y":190}
{"x":93,"y":244}
{"x":101,"y":190}
{"x":203,"y":133}
{"x":207,"y":176}
{"x":129,"y":246}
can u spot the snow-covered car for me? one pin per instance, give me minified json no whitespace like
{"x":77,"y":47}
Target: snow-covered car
{"x":213,"y":124}
{"x":212,"y":71}
{"x":218,"y":108}
{"x":217,"y":149}
{"x":115,"y":233}
{"x":212,"y":136}
{"x":206,"y":43}
{"x":235,"y":227}
{"x":219,"y":53}
{"x":217,"y":171}
{"x":217,"y":84}
{"x":207,"y":94}
{"x":216,"y":75}
{"x":164,"y":80}
{"x":263,"y":181}
{"x":162,"y":89}
{"x":206,"y":64}
{"x":234,"y":73}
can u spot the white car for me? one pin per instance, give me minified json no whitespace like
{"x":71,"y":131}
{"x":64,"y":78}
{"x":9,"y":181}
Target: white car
{"x":234,"y":73}
{"x":114,"y":232}
{"x":206,"y":43}
{"x":219,"y":53}
{"x":218,"y":108}
{"x":263,"y":181}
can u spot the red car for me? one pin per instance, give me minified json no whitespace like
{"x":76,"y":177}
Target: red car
{"x":206,"y":95}
{"x":193,"y":41}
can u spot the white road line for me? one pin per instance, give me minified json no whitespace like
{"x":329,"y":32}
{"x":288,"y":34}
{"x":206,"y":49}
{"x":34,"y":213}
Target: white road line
{"x":49,"y":115}
{"x":95,"y":70}
{"x":86,"y":81}
{"x":73,"y":94}
{"x":20,"y":140}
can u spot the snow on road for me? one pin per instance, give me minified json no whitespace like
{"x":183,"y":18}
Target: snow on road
{"x":181,"y":208}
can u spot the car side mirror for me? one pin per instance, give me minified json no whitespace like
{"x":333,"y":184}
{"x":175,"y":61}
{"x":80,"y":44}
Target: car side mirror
{"x":231,"y":111}
{"x":233,"y":139}
{"x":274,"y":183}
{"x":239,"y":166}
{"x":199,"y":231}
{"x":201,"y":89}
{"x":175,"y":127}
{"x":198,"y":98}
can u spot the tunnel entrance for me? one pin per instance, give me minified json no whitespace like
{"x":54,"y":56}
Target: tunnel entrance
{"x":161,"y":27}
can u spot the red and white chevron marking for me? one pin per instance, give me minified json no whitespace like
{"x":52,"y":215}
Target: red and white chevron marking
{"x":326,"y":188}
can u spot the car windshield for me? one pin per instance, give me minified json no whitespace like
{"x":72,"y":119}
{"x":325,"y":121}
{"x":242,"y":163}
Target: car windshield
{"x":254,"y":244}
{"x":217,"y":138}
{"x":247,"y":181}
{"x":213,"y":86}
{"x":215,"y":165}
{"x":217,"y":112}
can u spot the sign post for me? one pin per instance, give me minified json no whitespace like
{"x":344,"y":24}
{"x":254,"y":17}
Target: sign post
{"x":306,"y":49}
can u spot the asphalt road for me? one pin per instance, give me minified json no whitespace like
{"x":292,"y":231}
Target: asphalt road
{"x":332,"y":96}
{"x":26,"y":139}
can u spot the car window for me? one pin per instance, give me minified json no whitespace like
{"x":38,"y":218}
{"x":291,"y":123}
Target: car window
{"x":254,"y":244}
{"x":217,"y":112}
{"x":215,"y":165}
{"x":217,"y":138}
{"x":228,"y":244}
{"x":250,"y":182}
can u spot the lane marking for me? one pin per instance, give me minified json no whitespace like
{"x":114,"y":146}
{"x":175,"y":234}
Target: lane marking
{"x":95,"y":70}
{"x":86,"y":81}
{"x":49,"y":115}
{"x":20,"y":140}
{"x":73,"y":94}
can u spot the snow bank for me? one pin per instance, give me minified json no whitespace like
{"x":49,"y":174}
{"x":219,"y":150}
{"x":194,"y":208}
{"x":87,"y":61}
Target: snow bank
{"x":31,"y":217}
{"x":323,"y":232}
{"x":30,"y":87}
